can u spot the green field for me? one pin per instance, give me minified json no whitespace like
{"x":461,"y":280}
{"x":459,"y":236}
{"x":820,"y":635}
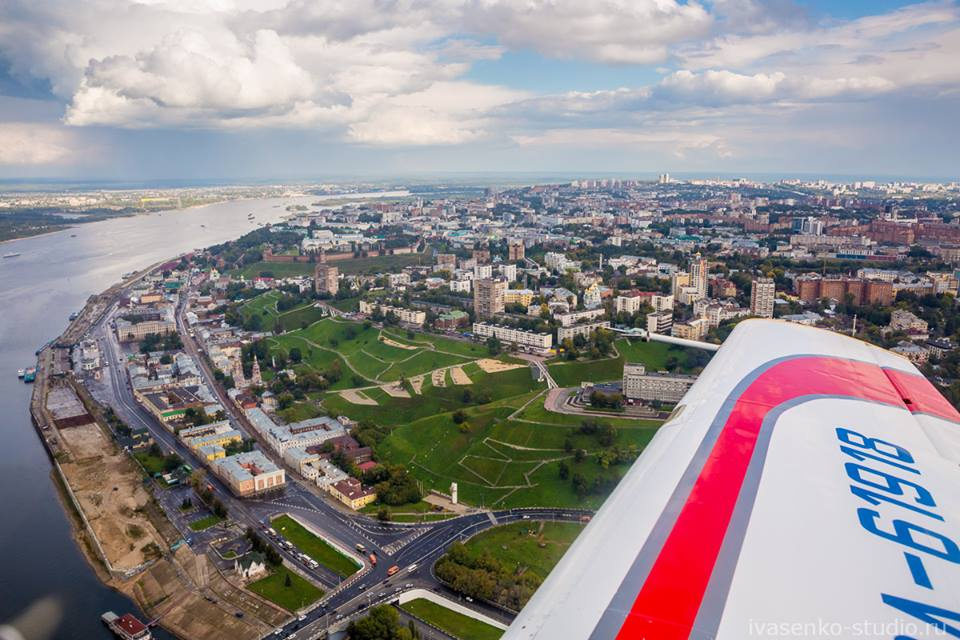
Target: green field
{"x":500,"y":462}
{"x":299,"y":594}
{"x":526,"y":545}
{"x":205,"y":523}
{"x":314,"y":547}
{"x":456,"y":624}
{"x":436,"y":400}
{"x":653,"y":355}
{"x":153,"y":464}
{"x":265,"y":305}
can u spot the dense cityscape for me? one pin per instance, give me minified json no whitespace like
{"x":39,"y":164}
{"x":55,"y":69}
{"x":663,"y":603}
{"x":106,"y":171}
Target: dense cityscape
{"x":310,"y":418}
{"x":480,"y":319}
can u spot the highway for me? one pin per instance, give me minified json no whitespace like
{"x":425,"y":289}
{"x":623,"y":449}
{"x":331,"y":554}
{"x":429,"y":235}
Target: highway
{"x":412,"y":547}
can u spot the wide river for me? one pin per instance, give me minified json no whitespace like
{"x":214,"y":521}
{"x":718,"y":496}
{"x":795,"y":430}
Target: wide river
{"x":53,"y":276}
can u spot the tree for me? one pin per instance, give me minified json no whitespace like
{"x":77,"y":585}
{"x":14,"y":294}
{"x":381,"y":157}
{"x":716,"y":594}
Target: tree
{"x":295,"y":354}
{"x":563,"y":470}
{"x":287,"y":581}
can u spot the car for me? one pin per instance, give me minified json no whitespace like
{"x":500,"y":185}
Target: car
{"x":238,"y":614}
{"x":362,"y":587}
{"x":408,"y":585}
{"x":526,"y":517}
{"x":468,"y":598}
{"x":301,"y":617}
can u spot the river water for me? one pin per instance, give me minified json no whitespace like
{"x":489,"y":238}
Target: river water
{"x":53,"y":276}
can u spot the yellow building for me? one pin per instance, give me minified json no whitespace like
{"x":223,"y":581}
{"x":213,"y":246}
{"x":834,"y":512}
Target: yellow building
{"x":522,"y":296}
{"x":353,"y":494}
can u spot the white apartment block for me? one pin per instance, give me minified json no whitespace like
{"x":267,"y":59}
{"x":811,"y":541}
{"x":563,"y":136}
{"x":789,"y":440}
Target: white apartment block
{"x":512,"y":335}
{"x":762,"y":294}
{"x":572,"y":318}
{"x":661,"y":386}
{"x":461,"y":286}
{"x":660,"y":322}
{"x":407,"y":316}
{"x":585,"y":330}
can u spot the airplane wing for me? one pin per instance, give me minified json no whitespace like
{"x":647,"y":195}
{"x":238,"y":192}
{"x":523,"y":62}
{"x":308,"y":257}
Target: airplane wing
{"x":806,"y":486}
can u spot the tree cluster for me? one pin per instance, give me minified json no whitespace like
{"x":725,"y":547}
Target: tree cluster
{"x":481,"y":575}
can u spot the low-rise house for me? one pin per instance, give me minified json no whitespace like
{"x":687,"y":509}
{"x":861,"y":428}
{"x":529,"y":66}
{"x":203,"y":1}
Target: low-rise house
{"x":353,"y":494}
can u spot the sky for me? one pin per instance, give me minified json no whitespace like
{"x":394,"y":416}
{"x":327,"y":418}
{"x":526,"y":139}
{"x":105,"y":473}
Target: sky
{"x":239,"y":90}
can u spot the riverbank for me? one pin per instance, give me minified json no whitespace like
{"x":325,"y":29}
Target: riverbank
{"x":117,"y":524}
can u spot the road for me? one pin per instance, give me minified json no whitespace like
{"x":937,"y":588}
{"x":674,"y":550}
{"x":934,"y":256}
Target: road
{"x":412,"y":547}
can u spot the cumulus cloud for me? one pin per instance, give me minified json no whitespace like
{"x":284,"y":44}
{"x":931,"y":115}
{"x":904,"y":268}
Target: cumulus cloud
{"x":617,"y":31}
{"x":396,"y":72}
{"x":28,"y":143}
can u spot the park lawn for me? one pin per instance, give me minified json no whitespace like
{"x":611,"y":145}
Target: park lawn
{"x":315,"y":547}
{"x":347,"y":305}
{"x":299,"y":594}
{"x":571,"y":374}
{"x":275,"y":269}
{"x":205,"y":522}
{"x":301,"y":317}
{"x":420,"y":363}
{"x":315,"y":358}
{"x":264,"y":304}
{"x":300,"y":411}
{"x":536,"y":412}
{"x":653,"y":355}
{"x":153,"y":464}
{"x":391,"y":411}
{"x":503,"y":463}
{"x":441,"y":343}
{"x":378,"y":264}
{"x":454,"y":623}
{"x":519,"y":544}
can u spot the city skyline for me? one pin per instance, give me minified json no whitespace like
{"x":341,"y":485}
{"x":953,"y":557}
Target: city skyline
{"x":236,"y":90}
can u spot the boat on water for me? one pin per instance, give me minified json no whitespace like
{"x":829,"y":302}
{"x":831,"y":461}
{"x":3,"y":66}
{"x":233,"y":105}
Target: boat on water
{"x":20,"y":372}
{"x":126,"y":626}
{"x":10,"y":255}
{"x":30,"y":375}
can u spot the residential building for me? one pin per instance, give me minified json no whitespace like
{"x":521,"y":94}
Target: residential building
{"x":326,"y":277}
{"x":452,"y":320}
{"x":762,"y":294}
{"x":660,"y":322}
{"x":638,"y":384}
{"x":698,"y":275}
{"x":488,"y":297}
{"x":519,"y":337}
{"x":406,"y":316}
{"x":695,"y":329}
{"x":812,"y":287}
{"x":351,"y":493}
{"x":905,"y":321}
{"x":249,"y":474}
{"x":515,"y":250}
{"x":518,"y":296}
{"x":568,"y":319}
{"x":134,"y":331}
{"x":586,"y":330}
{"x":446,"y":262}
